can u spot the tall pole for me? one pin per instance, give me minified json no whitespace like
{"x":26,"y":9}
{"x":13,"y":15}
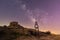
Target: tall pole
{"x":36,"y":26}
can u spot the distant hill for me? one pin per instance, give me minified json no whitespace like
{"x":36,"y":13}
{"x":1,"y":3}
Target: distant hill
{"x":17,"y":32}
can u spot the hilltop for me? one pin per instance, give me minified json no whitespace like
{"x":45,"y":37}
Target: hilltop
{"x":17,"y":32}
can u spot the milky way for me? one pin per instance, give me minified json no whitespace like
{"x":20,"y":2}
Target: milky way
{"x":46,"y":12}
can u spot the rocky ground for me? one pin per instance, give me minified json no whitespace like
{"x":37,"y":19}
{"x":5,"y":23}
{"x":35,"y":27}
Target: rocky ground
{"x":18,"y":32}
{"x":54,"y":37}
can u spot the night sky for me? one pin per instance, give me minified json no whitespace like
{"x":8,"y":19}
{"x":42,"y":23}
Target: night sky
{"x":46,"y":12}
